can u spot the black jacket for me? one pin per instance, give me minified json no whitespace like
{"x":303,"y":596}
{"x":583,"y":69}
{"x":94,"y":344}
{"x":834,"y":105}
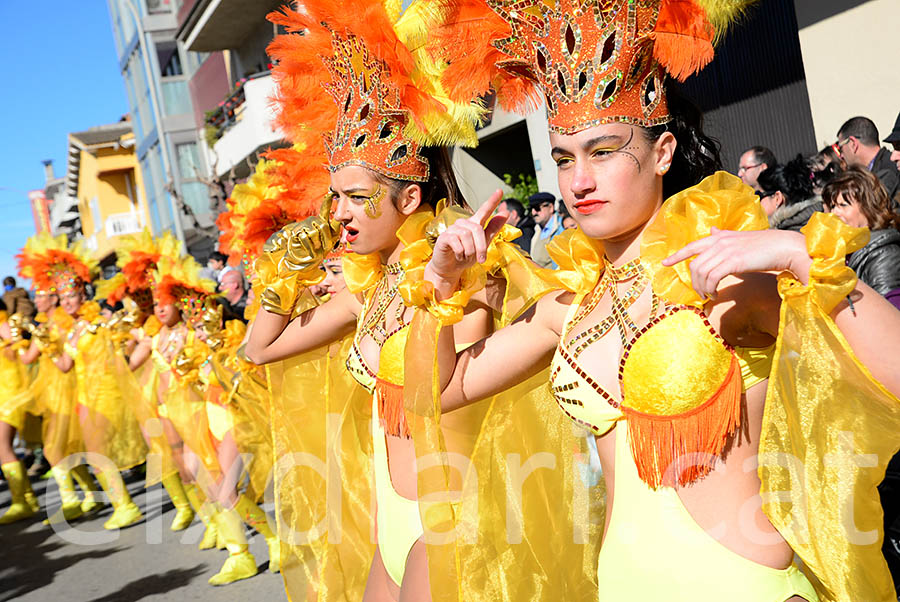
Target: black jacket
{"x":793,"y":217}
{"x":887,"y":172}
{"x":878,"y":263}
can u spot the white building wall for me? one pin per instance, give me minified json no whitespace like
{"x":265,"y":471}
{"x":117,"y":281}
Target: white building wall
{"x":851,"y":67}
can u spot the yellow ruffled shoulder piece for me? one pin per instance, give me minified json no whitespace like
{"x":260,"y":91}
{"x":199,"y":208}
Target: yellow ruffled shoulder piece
{"x":151,"y":326}
{"x":828,"y":241}
{"x":720,"y":200}
{"x":62,"y":320}
{"x":579,"y":259}
{"x":90,"y":312}
{"x":417,"y":234}
{"x":361,"y":272}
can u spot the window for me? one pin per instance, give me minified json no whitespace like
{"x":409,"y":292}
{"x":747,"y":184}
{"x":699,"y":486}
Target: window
{"x":169,"y":59}
{"x":189,"y":165}
{"x":159,"y":6}
{"x":194,"y":192}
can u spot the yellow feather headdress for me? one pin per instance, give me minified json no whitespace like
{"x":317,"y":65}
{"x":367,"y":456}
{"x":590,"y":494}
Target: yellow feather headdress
{"x":54,"y":266}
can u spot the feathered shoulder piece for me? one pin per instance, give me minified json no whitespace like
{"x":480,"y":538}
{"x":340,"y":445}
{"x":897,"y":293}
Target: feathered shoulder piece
{"x":594,"y":61}
{"x":54,"y":266}
{"x":356,"y":74}
{"x":276,"y":194}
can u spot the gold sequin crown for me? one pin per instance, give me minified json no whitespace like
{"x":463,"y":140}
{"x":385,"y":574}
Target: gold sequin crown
{"x":595,"y":61}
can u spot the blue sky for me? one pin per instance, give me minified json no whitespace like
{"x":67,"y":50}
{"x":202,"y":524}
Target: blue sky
{"x":60,"y":75}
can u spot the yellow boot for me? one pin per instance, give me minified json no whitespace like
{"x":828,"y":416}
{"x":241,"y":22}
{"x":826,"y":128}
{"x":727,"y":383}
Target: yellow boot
{"x":71,"y":505}
{"x":184,"y":515}
{"x":91,"y":503}
{"x":126,"y":511}
{"x":207,"y":513}
{"x":255,"y":517}
{"x":19,"y":487}
{"x":240,"y":563}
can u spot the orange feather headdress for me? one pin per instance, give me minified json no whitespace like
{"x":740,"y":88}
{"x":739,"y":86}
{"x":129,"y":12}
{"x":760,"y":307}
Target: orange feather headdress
{"x":356,"y":75}
{"x":594,"y":61}
{"x":54,"y":266}
{"x":137,"y":256}
{"x":177,"y":280}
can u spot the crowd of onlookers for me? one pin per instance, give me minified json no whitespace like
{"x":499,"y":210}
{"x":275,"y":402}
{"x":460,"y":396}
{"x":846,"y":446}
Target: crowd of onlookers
{"x":855,"y":178}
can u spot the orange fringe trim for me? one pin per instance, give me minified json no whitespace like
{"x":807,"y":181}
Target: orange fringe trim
{"x":391,"y":410}
{"x":683,"y":448}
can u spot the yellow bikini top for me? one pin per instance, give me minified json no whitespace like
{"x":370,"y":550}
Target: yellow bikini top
{"x":680,"y":383}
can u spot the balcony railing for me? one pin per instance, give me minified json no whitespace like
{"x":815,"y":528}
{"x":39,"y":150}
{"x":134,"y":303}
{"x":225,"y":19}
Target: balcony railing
{"x":227,"y":112}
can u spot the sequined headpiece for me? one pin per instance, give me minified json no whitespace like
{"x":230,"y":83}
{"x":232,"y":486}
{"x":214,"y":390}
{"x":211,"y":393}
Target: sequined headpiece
{"x":356,"y":74}
{"x":594,"y":61}
{"x":137,"y":256}
{"x":177,"y":281}
{"x":53,"y":266}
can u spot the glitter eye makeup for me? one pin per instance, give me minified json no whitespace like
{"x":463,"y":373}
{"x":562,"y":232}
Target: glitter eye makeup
{"x":373,"y":203}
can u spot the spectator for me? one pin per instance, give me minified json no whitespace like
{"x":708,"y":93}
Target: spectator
{"x":16,"y":299}
{"x":859,"y":199}
{"x":234,"y":296}
{"x":547,"y":225}
{"x":520,"y":219}
{"x":566,"y":219}
{"x":787,"y":196}
{"x":218,"y":263}
{"x":859,"y":147}
{"x":753,"y":162}
{"x":894,"y":140}
{"x":825,"y":164}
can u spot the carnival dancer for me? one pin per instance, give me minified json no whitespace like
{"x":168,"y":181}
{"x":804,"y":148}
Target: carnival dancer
{"x":109,"y":430}
{"x":52,"y":393}
{"x":137,"y":256}
{"x":176,"y":290}
{"x":13,"y":382}
{"x":674,"y":341}
{"x":391,"y":187}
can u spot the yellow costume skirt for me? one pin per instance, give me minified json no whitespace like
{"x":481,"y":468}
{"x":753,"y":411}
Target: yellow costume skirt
{"x":108,"y":424}
{"x":654,"y":550}
{"x":250,"y":423}
{"x":13,"y":383}
{"x":55,"y":399}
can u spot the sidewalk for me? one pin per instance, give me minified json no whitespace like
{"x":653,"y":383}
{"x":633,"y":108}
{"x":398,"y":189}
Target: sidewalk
{"x":146,"y":562}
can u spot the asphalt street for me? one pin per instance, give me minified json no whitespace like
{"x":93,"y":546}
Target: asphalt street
{"x":147,"y":561}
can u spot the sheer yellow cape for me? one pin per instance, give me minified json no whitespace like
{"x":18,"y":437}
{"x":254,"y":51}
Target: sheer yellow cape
{"x":109,"y":426}
{"x":322,"y":448}
{"x":829,"y":428}
{"x":506,"y":509}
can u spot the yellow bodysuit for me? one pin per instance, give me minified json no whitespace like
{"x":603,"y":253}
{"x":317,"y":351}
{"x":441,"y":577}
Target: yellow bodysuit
{"x":676,"y":557}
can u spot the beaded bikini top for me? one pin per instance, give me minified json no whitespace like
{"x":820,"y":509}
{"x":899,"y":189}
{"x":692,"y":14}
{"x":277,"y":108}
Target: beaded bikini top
{"x":680,"y":384}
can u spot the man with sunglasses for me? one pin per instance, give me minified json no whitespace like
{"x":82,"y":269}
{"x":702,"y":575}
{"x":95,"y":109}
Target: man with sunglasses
{"x":753,"y":162}
{"x":858,"y":145}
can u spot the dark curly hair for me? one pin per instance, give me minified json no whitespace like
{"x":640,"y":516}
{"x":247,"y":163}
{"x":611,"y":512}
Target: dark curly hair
{"x":696,"y":155}
{"x":794,"y":179}
{"x":441,"y":182}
